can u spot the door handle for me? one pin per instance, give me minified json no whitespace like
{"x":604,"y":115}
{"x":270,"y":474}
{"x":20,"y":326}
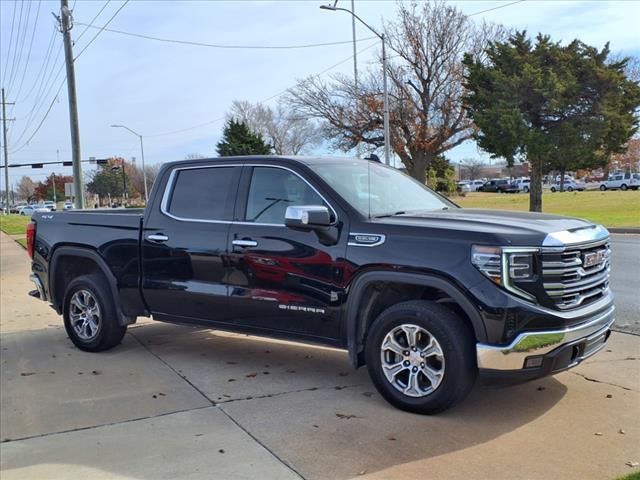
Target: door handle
{"x":244,"y":243}
{"x":157,"y":237}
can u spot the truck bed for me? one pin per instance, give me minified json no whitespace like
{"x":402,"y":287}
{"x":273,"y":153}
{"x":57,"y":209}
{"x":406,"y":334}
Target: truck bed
{"x":113,"y":234}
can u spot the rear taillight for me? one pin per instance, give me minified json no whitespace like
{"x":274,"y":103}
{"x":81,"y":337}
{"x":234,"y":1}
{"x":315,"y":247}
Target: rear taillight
{"x":31,"y":238}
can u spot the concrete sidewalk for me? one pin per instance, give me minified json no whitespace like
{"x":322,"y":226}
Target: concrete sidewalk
{"x":180,"y":402}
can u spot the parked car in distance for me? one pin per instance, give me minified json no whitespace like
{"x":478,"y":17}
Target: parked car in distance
{"x":16,"y":208}
{"x":622,"y":181}
{"x":29,"y":210}
{"x":569,"y":186}
{"x":68,"y":206}
{"x":50,"y":205}
{"x":474,"y":185}
{"x":523,"y":184}
{"x":297,"y":248}
{"x":463,"y":187}
{"x":499,"y":186}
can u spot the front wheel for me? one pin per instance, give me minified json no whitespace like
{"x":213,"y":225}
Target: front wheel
{"x":603,"y":188}
{"x":623,"y":187}
{"x":569,"y":189}
{"x":421,"y":357}
{"x":90,"y":317}
{"x":525,"y":189}
{"x":553,"y":189}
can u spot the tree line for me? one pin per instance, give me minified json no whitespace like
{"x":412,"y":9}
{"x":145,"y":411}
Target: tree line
{"x":557,"y":107}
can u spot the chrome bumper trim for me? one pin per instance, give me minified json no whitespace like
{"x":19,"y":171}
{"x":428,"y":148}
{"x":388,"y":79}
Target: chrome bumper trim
{"x":527,"y":344}
{"x":34,"y":278}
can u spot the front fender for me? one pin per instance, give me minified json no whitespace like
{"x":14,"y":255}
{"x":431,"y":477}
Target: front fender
{"x":356,"y":324}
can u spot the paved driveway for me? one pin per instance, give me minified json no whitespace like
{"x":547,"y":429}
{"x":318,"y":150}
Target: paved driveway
{"x":180,"y":402}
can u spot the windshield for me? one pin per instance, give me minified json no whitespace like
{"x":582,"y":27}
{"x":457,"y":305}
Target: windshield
{"x":392,"y":192}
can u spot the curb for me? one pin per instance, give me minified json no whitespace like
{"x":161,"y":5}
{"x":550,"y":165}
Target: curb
{"x":624,"y":230}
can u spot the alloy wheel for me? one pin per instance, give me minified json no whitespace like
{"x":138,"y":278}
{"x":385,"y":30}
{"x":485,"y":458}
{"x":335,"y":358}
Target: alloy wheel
{"x":84,"y":313}
{"x":412,"y":360}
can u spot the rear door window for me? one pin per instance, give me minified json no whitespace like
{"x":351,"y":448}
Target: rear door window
{"x":204,"y":193}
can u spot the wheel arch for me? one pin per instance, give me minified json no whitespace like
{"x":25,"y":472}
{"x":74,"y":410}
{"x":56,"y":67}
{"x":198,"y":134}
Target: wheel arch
{"x":64,"y":267}
{"x":362,"y":304}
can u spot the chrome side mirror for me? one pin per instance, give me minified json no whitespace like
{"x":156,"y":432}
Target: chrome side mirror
{"x":307,"y":217}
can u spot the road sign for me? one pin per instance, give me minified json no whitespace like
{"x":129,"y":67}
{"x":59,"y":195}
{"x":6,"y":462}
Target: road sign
{"x":68,"y":189}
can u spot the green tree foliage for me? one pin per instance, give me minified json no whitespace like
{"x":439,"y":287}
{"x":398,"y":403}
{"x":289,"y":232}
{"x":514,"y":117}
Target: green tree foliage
{"x":441,"y":176}
{"x":107,"y":180}
{"x":237,"y":139}
{"x":555,"y":106}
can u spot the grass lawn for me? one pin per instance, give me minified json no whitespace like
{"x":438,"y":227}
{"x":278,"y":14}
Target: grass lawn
{"x":14,"y":224}
{"x":611,"y":208}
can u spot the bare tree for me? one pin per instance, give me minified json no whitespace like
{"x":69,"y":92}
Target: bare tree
{"x":289,"y":134}
{"x":472,"y":167}
{"x":26,"y":189}
{"x":134,"y":173}
{"x":427,"y":42}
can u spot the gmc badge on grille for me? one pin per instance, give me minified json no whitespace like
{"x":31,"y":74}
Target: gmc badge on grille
{"x":592,"y":258}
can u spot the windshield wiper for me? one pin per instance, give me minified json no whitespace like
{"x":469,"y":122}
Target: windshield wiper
{"x":386,"y":215}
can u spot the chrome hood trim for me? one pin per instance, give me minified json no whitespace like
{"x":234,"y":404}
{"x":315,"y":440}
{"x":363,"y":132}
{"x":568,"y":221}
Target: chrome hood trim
{"x":573,"y":237}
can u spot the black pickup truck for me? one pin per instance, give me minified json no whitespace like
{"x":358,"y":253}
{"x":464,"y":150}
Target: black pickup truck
{"x":342,"y":252}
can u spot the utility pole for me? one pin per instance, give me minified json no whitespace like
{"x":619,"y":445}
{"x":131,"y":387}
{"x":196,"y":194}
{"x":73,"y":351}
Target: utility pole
{"x":355,"y":66}
{"x":66,"y":24}
{"x":53,"y":179}
{"x":6,"y":152}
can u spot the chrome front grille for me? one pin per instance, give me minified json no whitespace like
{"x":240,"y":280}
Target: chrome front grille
{"x":578,"y":275}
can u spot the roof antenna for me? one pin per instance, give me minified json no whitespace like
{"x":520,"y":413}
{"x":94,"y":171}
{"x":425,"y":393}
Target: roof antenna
{"x":369,"y":181}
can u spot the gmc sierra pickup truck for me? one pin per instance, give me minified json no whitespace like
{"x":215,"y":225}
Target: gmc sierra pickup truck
{"x":347,"y":253}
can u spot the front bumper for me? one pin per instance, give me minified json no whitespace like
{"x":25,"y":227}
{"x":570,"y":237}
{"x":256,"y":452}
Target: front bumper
{"x":539,"y":353}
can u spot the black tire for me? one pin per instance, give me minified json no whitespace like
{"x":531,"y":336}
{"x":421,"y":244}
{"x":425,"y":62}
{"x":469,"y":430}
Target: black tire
{"x":569,"y":189}
{"x":457,"y":344}
{"x":623,"y":187}
{"x":553,"y":189}
{"x":525,"y":189}
{"x":109,"y":331}
{"x":603,"y":188}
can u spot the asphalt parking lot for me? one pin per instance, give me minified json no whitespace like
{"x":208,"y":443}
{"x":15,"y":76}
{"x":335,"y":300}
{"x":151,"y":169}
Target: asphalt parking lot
{"x":180,"y":402}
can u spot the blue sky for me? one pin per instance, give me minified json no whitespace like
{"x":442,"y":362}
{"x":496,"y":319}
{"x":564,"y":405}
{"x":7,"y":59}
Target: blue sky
{"x":156,"y":88}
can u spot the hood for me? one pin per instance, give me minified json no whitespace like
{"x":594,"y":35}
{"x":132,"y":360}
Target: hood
{"x":516,"y":228}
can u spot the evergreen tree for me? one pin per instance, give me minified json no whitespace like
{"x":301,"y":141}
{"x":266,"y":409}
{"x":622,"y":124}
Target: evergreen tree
{"x":555,"y":106}
{"x":237,"y":139}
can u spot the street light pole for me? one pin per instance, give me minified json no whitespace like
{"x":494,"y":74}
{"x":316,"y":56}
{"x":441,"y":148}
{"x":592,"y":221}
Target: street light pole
{"x":387,"y":136}
{"x":144,"y":171}
{"x":387,"y":140}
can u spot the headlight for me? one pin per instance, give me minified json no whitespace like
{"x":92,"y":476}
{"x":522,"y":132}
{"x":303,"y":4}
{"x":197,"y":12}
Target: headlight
{"x":504,"y":265}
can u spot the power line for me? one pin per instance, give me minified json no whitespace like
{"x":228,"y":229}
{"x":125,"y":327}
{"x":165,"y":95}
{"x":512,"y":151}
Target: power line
{"x":261,"y":101}
{"x":6,"y":62}
{"x":45,"y":63}
{"x":18,"y":57}
{"x":101,"y":30}
{"x":26,"y":63}
{"x":61,"y":85}
{"x":93,"y":20}
{"x":41,"y":121}
{"x":495,"y":8}
{"x":223,"y":46}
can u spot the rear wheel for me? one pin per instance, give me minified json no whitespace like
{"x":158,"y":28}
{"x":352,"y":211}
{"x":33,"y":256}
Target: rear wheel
{"x":553,"y":189}
{"x":569,"y":189}
{"x":90,"y":317}
{"x":603,"y":188}
{"x":421,"y":357}
{"x":623,"y":186}
{"x":525,"y":189}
